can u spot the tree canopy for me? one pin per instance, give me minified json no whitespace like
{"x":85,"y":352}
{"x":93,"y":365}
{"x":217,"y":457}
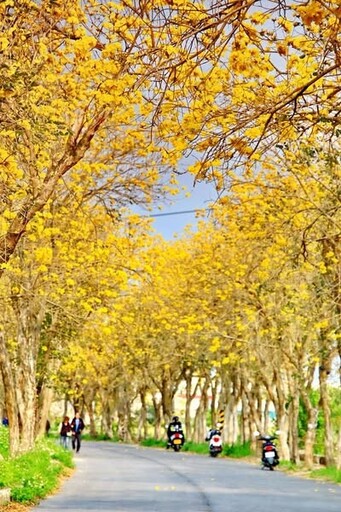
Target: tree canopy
{"x":100,"y":101}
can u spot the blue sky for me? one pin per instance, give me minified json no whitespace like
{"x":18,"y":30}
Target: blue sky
{"x":200,"y":197}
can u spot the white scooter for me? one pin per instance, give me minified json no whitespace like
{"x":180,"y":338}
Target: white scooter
{"x":215,"y":442}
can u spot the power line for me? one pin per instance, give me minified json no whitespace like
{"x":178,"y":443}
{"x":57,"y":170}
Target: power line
{"x":177,"y":213}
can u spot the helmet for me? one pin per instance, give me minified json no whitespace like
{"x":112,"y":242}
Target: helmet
{"x":175,"y":418}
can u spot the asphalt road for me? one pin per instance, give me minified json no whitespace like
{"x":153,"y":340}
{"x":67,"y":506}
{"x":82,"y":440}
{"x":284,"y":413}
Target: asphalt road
{"x":123,"y":478}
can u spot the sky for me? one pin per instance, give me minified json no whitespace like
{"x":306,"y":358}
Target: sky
{"x":201,"y":195}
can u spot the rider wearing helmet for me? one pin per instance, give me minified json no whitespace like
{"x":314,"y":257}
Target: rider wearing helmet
{"x":174,"y":425}
{"x":214,"y":431}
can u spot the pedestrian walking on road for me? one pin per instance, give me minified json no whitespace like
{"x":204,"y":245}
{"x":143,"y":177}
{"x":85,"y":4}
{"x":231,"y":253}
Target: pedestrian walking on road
{"x":77,"y":425}
{"x":65,"y":432}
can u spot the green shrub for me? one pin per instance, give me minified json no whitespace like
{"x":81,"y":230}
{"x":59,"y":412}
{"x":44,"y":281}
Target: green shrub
{"x":63,"y":456}
{"x":35,"y":474}
{"x":237,"y":450}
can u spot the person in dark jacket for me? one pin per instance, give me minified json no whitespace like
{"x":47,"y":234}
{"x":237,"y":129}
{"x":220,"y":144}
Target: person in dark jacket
{"x":77,"y":426}
{"x":174,"y":426}
{"x":65,"y":432}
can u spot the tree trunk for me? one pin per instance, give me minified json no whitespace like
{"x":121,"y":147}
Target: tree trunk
{"x":214,"y":388}
{"x":23,"y":378}
{"x":293,"y":428}
{"x":324,"y":402}
{"x":231,"y":427}
{"x":142,"y":429}
{"x":200,"y":428}
{"x":27,"y":403}
{"x":106,"y":425}
{"x":10,"y":398}
{"x":167,"y":398}
{"x":283,"y":424}
{"x":44,"y":404}
{"x":278,"y":392}
{"x":158,"y":432}
{"x":29,"y":318}
{"x":230,"y":395}
{"x":123,"y":412}
{"x":188,"y":426}
{"x":254,"y":412}
{"x":65,"y":405}
{"x":189,"y":399}
{"x":266,"y":417}
{"x":338,"y":447}
{"x":89,"y":404}
{"x":310,"y":437}
{"x":245,"y":416}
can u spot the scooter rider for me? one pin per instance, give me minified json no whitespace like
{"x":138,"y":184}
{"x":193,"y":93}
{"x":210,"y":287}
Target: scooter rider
{"x":213,"y":436}
{"x":213,"y":432}
{"x":174,"y":426}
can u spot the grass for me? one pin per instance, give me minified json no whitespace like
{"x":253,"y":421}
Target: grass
{"x":4,"y":442}
{"x":238,"y":450}
{"x":321,"y":473}
{"x":288,"y":465}
{"x":35,"y":474}
{"x":150,"y":442}
{"x":201,"y":448}
{"x":331,"y":473}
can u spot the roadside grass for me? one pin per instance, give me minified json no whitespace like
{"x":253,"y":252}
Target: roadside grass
{"x":155,"y":443}
{"x":201,"y":448}
{"x":331,"y":474}
{"x":238,"y":450}
{"x":35,"y":474}
{"x":288,"y":465}
{"x":4,"y":442}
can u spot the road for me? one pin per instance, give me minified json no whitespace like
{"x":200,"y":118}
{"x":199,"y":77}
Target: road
{"x":125,"y":478}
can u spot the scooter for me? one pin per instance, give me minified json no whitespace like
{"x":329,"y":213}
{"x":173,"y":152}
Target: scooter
{"x":270,"y":457}
{"x":176,"y":439}
{"x":215,"y":442}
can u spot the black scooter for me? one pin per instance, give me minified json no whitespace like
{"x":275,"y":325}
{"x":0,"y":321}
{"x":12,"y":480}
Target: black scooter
{"x":270,"y":458}
{"x":176,"y":439}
